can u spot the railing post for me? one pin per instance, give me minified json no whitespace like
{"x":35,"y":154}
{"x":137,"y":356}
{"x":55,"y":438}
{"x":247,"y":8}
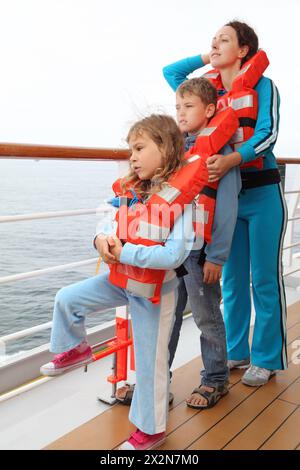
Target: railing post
{"x":122,"y":332}
{"x":119,"y":347}
{"x":282,"y":171}
{"x":292,"y":209}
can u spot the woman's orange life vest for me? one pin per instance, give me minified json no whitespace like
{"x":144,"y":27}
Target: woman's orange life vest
{"x":243,"y":99}
{"x":150,"y":223}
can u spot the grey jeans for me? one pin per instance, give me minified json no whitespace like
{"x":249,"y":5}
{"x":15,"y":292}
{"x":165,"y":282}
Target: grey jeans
{"x":205,"y":304}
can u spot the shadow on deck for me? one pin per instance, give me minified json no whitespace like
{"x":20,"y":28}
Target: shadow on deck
{"x":247,"y":418}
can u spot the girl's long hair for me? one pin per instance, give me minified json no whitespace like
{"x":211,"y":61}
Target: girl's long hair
{"x":163,"y":130}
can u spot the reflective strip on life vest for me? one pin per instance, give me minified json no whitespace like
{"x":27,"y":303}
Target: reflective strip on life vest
{"x":169,"y":194}
{"x":141,"y":288}
{"x":211,"y":75}
{"x":238,"y":136}
{"x":152,"y":232}
{"x":193,"y":158}
{"x":200,"y":216}
{"x":243,"y":102}
{"x":208,"y":131}
{"x":244,"y":70}
{"x":123,"y":201}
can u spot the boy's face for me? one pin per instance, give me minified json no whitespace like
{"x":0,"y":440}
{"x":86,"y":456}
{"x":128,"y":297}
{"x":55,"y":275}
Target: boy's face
{"x":192,"y":114}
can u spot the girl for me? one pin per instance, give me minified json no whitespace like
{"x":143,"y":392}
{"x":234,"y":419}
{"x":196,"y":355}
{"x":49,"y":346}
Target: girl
{"x":157,"y":152}
{"x":261,"y":223}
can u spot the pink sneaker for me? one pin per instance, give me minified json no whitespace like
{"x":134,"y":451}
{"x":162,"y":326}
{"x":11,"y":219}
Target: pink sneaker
{"x":67,"y":361}
{"x":142,"y":441}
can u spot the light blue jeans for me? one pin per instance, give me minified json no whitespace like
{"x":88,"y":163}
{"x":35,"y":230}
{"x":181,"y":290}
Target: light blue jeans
{"x":205,"y":304}
{"x":152,"y":325}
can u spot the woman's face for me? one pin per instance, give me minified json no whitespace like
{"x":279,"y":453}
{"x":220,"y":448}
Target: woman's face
{"x":225,"y":49}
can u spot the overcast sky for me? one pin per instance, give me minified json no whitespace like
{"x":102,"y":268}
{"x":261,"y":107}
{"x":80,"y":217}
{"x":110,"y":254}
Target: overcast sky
{"x":78,"y":72}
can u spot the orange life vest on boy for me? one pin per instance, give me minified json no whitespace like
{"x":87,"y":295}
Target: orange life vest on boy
{"x":243,"y":99}
{"x":150,"y":223}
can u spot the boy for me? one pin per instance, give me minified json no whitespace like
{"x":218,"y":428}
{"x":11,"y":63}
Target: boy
{"x":196,"y":101}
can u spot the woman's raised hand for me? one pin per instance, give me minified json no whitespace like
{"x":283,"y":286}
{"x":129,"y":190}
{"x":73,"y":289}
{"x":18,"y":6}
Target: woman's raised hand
{"x":205,"y":58}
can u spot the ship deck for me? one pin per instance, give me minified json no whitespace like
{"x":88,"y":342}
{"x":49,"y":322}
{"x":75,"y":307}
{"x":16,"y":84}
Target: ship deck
{"x":248,"y":418}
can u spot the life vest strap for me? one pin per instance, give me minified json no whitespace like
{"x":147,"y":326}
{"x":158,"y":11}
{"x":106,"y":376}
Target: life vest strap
{"x":202,"y":255}
{"x":181,"y":271}
{"x":254,"y":179}
{"x":247,"y":122}
{"x":209,"y":192}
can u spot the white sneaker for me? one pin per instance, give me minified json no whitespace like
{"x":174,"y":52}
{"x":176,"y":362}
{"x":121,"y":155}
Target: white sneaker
{"x":242,"y":364}
{"x":256,"y":376}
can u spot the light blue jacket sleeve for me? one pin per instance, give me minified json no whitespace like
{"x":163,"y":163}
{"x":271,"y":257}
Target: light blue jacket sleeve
{"x":178,"y":72}
{"x":266,"y":128}
{"x":225,"y":216}
{"x":170,"y":256}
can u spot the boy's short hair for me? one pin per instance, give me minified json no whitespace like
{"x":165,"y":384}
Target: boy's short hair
{"x":201,"y":87}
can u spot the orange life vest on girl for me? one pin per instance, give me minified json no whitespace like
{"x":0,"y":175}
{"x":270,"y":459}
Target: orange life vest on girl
{"x":243,"y":99}
{"x":150,"y":223}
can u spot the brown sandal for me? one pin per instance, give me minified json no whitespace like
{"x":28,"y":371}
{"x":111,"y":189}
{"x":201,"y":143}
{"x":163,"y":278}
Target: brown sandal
{"x":211,"y":397}
{"x":127,"y":399}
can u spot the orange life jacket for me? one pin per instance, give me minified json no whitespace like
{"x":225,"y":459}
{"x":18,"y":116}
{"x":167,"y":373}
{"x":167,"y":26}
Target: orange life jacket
{"x":150,"y":223}
{"x":243,"y":99}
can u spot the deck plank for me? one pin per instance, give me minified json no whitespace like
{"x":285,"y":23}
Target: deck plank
{"x":95,"y":436}
{"x":193,"y":424}
{"x":105,"y":432}
{"x":292,"y":394}
{"x":287,"y":437}
{"x":228,"y":428}
{"x":243,"y":412}
{"x":293,"y":316}
{"x":256,"y":434}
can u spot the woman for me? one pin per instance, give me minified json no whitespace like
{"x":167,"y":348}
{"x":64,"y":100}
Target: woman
{"x":262,"y":215}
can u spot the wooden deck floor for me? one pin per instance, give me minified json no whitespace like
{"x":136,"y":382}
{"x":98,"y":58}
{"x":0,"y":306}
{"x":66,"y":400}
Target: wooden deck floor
{"x":247,"y":418}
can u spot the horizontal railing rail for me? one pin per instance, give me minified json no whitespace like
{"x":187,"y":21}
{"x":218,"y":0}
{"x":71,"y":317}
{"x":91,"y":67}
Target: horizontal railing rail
{"x":41,"y":272}
{"x":33,"y":330}
{"x":55,"y":152}
{"x":104,"y":208}
{"x":33,"y":151}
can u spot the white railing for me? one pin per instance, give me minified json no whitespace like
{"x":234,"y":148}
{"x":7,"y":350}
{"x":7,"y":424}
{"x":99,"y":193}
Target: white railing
{"x":293,"y":209}
{"x":103,"y":209}
{"x":288,"y":255}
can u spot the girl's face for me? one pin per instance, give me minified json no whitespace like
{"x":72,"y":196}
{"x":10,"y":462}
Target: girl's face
{"x":146,"y":157}
{"x":225,"y":49}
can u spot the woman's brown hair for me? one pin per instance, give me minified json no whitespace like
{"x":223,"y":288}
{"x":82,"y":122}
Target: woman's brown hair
{"x":246,"y":37}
